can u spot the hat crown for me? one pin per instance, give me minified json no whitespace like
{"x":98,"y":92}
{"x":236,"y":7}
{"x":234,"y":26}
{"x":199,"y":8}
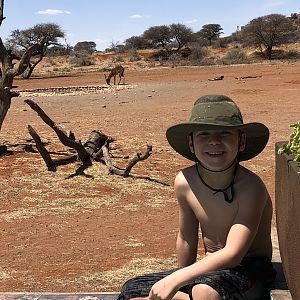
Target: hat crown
{"x":216,"y":110}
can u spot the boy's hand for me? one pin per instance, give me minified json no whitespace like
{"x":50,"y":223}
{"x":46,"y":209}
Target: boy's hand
{"x":165,"y":289}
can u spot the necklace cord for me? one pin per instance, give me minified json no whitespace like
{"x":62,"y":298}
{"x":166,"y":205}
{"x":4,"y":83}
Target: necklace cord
{"x":223,"y":191}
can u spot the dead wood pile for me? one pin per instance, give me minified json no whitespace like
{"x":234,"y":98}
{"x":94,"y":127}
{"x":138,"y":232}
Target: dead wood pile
{"x":96,"y":148}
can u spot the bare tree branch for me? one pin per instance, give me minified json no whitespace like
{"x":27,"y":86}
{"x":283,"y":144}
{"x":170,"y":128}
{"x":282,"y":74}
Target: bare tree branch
{"x":107,"y":159}
{"x":1,"y":11}
{"x":138,"y":157}
{"x":125,"y":173}
{"x":68,"y":141}
{"x":25,"y":59}
{"x":42,"y":150}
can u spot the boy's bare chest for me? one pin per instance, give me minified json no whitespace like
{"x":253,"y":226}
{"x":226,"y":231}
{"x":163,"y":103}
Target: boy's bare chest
{"x":215,"y":215}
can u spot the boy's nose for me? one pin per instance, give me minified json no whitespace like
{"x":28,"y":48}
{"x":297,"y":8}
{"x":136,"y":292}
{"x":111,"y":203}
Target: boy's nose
{"x":214,"y":139}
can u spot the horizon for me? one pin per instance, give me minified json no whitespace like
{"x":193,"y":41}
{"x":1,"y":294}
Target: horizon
{"x":108,"y":23}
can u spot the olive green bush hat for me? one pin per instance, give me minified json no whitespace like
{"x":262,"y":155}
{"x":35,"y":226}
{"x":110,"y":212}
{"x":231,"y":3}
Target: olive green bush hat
{"x":217,"y":112}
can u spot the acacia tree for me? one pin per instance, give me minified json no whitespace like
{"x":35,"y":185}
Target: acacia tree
{"x":85,"y":46}
{"x":210,"y":32}
{"x":268,"y":31}
{"x":165,"y":36}
{"x":159,"y":36}
{"x":44,"y":35}
{"x":9,"y":70}
{"x":137,"y":42}
{"x":181,"y":35}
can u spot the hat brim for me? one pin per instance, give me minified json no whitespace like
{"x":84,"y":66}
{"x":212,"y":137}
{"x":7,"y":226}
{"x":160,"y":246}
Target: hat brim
{"x":257,"y":136}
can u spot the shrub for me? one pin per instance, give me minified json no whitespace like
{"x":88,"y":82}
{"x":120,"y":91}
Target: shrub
{"x":160,"y":55}
{"x":292,"y":54}
{"x":235,"y":56}
{"x":185,"y":52}
{"x":207,"y":61}
{"x":174,"y":58}
{"x":117,"y":58}
{"x":81,"y":59}
{"x":198,"y":52}
{"x":282,"y":54}
{"x":135,"y":56}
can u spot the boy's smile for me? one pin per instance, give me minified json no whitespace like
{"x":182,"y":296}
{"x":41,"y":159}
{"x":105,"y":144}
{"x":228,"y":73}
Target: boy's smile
{"x":215,"y":153}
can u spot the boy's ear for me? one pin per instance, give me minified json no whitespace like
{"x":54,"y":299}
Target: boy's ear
{"x":191,"y":144}
{"x":242,"y":144}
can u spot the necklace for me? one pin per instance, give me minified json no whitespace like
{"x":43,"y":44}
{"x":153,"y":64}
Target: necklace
{"x":223,"y":191}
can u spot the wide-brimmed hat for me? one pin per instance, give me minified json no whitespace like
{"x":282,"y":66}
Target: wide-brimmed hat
{"x":217,"y":112}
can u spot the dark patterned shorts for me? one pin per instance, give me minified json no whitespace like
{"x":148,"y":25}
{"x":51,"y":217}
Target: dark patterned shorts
{"x":250,"y":280}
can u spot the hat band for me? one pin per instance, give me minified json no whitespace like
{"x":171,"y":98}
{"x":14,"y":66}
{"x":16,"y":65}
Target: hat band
{"x":220,"y":120}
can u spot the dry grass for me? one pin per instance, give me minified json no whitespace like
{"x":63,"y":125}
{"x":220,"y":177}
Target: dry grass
{"x":40,"y":192}
{"x":133,"y":268}
{"x":4,"y":275}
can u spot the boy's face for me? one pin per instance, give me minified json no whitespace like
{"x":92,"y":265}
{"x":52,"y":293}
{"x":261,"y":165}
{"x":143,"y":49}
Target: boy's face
{"x":217,"y":149}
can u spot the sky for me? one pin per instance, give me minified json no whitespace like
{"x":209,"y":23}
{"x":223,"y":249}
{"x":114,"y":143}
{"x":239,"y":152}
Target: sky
{"x":107,"y":22}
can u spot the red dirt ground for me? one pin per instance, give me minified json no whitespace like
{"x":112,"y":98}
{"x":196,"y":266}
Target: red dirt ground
{"x":66,"y":233}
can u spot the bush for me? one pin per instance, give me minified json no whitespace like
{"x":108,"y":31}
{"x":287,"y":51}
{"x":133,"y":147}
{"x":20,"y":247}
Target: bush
{"x":292,"y":54}
{"x":135,"y":56}
{"x":198,"y":52}
{"x":207,"y":61}
{"x":282,"y":54}
{"x":185,"y":52}
{"x":81,"y":60}
{"x":160,"y":55}
{"x":117,"y":58}
{"x":174,"y":58}
{"x":235,"y":56}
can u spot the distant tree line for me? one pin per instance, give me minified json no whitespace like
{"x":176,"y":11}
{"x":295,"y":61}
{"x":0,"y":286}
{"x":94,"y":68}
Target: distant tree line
{"x":262,"y":33}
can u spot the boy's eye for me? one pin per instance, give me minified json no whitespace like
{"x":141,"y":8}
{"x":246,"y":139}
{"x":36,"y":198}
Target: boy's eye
{"x":202,"y":133}
{"x":223,"y":133}
{"x":226,"y":132}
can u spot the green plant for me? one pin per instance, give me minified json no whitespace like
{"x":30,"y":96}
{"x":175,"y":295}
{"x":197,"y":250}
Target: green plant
{"x":293,"y":145}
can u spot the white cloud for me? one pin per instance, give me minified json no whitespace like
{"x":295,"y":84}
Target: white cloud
{"x":136,"y":16}
{"x":53,"y":12}
{"x":191,"y":21}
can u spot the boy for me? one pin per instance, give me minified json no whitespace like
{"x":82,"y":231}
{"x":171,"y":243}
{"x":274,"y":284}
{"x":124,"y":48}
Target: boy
{"x":226,"y":201}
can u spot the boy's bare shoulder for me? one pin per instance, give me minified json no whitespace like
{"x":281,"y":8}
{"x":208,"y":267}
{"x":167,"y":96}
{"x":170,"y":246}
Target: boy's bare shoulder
{"x":182,"y":178}
{"x":246,"y":175}
{"x":250,"y":184}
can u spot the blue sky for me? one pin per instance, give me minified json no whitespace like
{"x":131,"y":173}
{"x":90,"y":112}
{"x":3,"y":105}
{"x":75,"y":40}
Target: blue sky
{"x":114,"y":21}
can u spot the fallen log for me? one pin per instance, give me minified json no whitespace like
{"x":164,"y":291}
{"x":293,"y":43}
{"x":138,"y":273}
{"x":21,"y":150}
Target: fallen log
{"x":216,"y":78}
{"x":95,"y":148}
{"x":247,"y":77}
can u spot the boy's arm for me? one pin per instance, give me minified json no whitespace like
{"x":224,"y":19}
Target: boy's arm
{"x":187,"y":238}
{"x":252,"y":200}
